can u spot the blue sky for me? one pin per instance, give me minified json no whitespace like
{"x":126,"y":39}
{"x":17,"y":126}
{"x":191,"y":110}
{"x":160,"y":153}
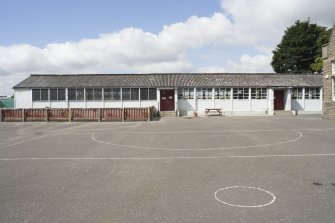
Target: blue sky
{"x":145,"y":36}
{"x":39,"y":22}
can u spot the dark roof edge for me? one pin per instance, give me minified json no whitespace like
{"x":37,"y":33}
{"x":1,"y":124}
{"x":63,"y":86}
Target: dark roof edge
{"x":106,"y":74}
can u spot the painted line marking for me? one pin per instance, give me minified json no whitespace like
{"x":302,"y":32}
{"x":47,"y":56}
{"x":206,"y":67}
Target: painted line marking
{"x":168,"y":158}
{"x":245,"y":206}
{"x":39,"y":137}
{"x":205,"y":149}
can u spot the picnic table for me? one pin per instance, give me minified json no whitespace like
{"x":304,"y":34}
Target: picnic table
{"x":217,"y":110}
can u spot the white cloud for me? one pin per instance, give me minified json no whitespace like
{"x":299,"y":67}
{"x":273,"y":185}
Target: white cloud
{"x":245,"y":64}
{"x":249,"y":24}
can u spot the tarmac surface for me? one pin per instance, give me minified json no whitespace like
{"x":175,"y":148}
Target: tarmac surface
{"x":214,"y":169}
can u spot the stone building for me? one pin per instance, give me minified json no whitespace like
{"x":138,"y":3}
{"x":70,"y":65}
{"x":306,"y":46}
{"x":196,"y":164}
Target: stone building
{"x":328,"y":54}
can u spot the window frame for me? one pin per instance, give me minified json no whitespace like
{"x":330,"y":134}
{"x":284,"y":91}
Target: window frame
{"x":57,"y":94}
{"x":297,"y":93}
{"x":133,"y":93}
{"x":186,"y":93}
{"x":312,"y":93}
{"x":77,"y":92}
{"x":205,"y":93}
{"x":223,"y":93}
{"x":37,"y":90}
{"x":241,"y":93}
{"x":259,"y":93}
{"x":124,"y":93}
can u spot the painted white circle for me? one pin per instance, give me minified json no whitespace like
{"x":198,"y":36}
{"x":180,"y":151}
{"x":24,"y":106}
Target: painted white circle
{"x":298,"y":137}
{"x":246,"y":188}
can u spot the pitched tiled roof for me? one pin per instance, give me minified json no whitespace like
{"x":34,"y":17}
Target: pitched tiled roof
{"x":172,"y":80}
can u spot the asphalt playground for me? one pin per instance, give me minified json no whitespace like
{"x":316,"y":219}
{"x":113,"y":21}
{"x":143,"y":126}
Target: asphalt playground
{"x":214,"y":169}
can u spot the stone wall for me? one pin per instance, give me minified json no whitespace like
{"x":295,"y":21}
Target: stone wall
{"x":328,"y":103}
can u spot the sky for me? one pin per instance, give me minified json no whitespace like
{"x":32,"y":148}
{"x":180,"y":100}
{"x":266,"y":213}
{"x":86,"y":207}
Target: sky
{"x":147,"y":36}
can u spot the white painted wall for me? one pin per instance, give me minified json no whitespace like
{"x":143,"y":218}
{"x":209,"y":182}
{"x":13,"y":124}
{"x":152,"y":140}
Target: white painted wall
{"x":41,"y":104}
{"x":23,"y":98}
{"x":131,"y":104}
{"x":113,"y":104}
{"x":202,"y":104}
{"x":94,"y":104}
{"x":186,"y":106}
{"x":225,"y":105}
{"x":146,"y":104}
{"x":241,"y":105}
{"x":259,"y":105}
{"x":77,"y":104}
{"x":297,"y":104}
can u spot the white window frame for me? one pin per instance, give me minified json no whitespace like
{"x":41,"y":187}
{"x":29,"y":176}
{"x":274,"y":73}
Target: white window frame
{"x":224,"y":93}
{"x":333,"y":89}
{"x":309,"y":93}
{"x":296,"y":92}
{"x":259,"y":93}
{"x":333,"y":67}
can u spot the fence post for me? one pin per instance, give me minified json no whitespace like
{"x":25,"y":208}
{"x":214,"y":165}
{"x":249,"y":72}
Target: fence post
{"x":46,"y":115}
{"x":70,"y":115}
{"x":149,"y":115}
{"x":23,"y":115}
{"x":0,"y":114}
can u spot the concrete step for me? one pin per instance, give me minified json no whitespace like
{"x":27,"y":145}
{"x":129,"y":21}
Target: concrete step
{"x":167,"y":113}
{"x":283,"y":113}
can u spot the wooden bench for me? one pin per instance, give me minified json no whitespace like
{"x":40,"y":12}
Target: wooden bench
{"x":218,"y":110}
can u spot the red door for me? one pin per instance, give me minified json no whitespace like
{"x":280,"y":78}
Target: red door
{"x":278,"y":100}
{"x":167,"y":100}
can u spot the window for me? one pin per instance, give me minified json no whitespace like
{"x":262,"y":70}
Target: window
{"x":97,"y":94}
{"x":94,"y":94}
{"x":108,"y":96}
{"x":134,"y":94}
{"x":125,"y":94}
{"x":312,"y":93}
{"x":241,"y":93}
{"x":116,"y":94}
{"x":44,"y":95}
{"x":259,"y":93}
{"x":112,"y":94}
{"x":152,"y":94}
{"x":222,"y":93}
{"x":204,"y":93}
{"x":148,"y":94}
{"x":40,"y":94}
{"x":333,"y":67}
{"x":72,"y":94}
{"x":185,"y":93}
{"x":61,"y":94}
{"x":53,"y":95}
{"x":76,"y":94}
{"x":57,"y":94}
{"x":80,"y":94}
{"x":36,"y":94}
{"x":297,"y":93}
{"x":89,"y":94}
{"x":144,"y":94}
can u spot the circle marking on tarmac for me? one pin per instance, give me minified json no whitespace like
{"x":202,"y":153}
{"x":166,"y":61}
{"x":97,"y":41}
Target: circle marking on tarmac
{"x":245,"y":206}
{"x":300,"y":135}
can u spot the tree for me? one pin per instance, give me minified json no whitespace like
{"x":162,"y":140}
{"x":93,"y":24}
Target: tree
{"x":299,"y":48}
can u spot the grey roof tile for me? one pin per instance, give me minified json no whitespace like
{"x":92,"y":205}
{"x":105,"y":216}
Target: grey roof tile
{"x":172,"y":80}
